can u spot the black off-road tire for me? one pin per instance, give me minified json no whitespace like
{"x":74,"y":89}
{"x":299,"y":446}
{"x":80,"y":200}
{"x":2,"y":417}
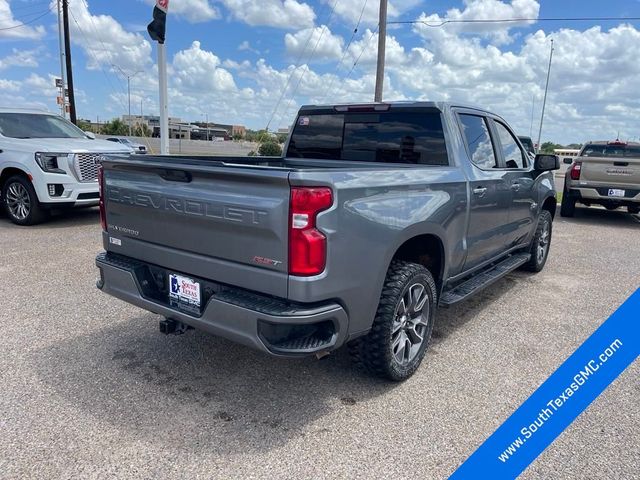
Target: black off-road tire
{"x":374,"y":351}
{"x":633,"y":210}
{"x":540,"y":240}
{"x":568,"y":205}
{"x":36,"y":214}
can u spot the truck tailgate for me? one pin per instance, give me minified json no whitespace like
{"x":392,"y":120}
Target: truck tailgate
{"x":225,"y":223}
{"x":611,"y":171}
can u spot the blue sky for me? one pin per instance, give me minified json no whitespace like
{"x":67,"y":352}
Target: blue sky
{"x":232,"y":59}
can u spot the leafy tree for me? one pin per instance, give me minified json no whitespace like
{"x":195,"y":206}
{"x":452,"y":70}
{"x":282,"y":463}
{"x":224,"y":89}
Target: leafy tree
{"x":270,"y":149}
{"x":115,"y":127}
{"x":549,"y":147}
{"x":141,"y":130}
{"x":282,"y":137}
{"x":84,"y":125}
{"x":252,"y":153}
{"x":237,"y":137}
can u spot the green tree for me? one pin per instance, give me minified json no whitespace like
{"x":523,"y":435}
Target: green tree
{"x":549,"y":147}
{"x":282,"y":137}
{"x":141,"y":130}
{"x":270,"y":149}
{"x":115,"y":127}
{"x":84,"y":125}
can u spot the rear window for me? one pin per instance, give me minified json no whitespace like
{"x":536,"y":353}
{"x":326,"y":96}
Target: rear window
{"x":388,"y":137}
{"x":617,"y":151}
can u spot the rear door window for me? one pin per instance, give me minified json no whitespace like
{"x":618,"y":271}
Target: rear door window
{"x":513,"y":155}
{"x":476,"y":134}
{"x":611,"y":150}
{"x":387,"y":137}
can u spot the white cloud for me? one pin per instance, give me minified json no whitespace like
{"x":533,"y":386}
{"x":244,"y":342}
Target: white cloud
{"x":105,"y":40}
{"x":350,"y":10}
{"x":10,"y":26}
{"x":319,"y":40}
{"x":246,"y":46}
{"x":9,"y":85}
{"x":482,"y":10}
{"x":194,"y":11}
{"x":21,"y":58}
{"x":199,"y":69}
{"x":288,"y":14}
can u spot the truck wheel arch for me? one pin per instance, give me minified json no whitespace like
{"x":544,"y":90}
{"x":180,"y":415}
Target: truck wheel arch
{"x":426,"y":250}
{"x":550,"y":203}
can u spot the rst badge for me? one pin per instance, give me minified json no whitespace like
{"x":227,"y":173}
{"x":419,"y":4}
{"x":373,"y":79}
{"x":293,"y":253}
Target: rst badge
{"x":184,"y":289}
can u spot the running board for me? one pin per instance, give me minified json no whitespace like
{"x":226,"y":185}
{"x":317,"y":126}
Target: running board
{"x":484,"y":279}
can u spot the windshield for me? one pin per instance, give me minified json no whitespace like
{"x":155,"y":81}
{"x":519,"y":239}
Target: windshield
{"x":37,"y":125}
{"x":414,"y":137}
{"x":611,"y":150}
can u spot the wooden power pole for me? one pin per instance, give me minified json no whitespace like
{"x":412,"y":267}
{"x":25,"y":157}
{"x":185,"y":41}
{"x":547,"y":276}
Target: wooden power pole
{"x":382,"y":41}
{"x":67,"y":55}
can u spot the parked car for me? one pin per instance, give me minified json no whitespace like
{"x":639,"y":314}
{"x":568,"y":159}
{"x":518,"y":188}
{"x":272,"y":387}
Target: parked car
{"x":604,"y":173}
{"x":137,"y":148}
{"x":527,"y":143}
{"x":47,"y":162}
{"x":376,"y":215}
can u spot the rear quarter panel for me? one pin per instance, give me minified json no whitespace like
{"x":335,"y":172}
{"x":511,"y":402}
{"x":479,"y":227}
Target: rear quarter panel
{"x":374,"y":213}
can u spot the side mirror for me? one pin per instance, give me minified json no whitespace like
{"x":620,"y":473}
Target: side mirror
{"x":567,"y":161}
{"x":90,"y":135}
{"x":545,"y":162}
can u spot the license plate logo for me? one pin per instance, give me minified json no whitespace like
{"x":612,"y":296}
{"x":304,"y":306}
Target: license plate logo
{"x":616,"y":192}
{"x":184,"y":289}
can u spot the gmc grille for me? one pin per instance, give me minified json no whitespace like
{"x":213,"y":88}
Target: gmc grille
{"x":86,"y":166}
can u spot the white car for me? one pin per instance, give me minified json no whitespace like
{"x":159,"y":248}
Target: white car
{"x":137,"y":148}
{"x":47,"y":162}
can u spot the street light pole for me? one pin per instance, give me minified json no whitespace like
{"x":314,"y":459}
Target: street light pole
{"x":544,"y":101}
{"x":128,"y":77}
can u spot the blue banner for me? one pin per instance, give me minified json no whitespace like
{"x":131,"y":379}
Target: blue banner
{"x":560,"y":399}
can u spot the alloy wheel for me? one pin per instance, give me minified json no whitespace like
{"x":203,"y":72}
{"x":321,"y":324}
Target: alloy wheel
{"x":18,"y":201}
{"x":410,"y":324}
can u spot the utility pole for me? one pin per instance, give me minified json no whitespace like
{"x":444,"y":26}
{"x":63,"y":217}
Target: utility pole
{"x":382,"y":41}
{"x":544,"y":101}
{"x":62,"y":74}
{"x":67,"y":55}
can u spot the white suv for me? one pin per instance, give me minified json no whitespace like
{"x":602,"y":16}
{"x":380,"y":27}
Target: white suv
{"x":47,"y":162}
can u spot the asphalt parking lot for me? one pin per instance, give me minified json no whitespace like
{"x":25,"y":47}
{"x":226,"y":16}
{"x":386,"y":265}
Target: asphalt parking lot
{"x":89,"y":388}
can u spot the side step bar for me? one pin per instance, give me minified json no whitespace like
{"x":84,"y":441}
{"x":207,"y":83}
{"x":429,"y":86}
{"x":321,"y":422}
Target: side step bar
{"x":484,"y":279}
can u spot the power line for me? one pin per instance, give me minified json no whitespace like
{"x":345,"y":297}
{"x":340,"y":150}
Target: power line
{"x":23,"y":24}
{"x":512,"y":20}
{"x":97,"y":32}
{"x":304,"y":71}
{"x":346,"y":50}
{"x":95,"y":59}
{"x":297,"y":65}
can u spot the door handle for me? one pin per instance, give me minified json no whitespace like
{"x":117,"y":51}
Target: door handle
{"x":480,"y":190}
{"x":515,"y":187}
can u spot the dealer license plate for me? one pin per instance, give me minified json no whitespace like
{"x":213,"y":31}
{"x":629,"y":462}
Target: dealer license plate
{"x":184,"y":289}
{"x":616,"y":192}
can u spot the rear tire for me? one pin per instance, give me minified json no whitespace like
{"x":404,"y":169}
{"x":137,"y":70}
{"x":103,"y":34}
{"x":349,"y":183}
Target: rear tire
{"x":568,"y":205}
{"x":21,"y":202}
{"x":633,"y":210}
{"x":541,"y":243}
{"x":398,"y":339}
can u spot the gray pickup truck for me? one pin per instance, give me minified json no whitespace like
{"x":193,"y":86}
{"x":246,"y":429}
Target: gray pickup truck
{"x":376,"y":215}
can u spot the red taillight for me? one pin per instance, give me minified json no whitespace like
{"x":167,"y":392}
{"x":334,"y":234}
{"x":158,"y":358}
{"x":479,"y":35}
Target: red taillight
{"x":307,"y":245}
{"x":575,"y":170}
{"x":103,"y":215}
